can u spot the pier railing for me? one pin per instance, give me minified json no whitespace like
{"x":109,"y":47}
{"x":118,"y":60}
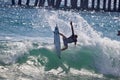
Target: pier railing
{"x":97,"y":5}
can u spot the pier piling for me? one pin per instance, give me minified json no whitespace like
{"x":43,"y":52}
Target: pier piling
{"x":107,"y":5}
{"x":19,"y":2}
{"x":27,"y":2}
{"x":13,"y":2}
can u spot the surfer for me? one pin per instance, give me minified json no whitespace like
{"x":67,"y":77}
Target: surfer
{"x":118,"y":33}
{"x":71,"y":39}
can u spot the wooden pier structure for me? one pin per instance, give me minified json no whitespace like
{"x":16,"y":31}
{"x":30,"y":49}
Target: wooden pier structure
{"x":97,"y":5}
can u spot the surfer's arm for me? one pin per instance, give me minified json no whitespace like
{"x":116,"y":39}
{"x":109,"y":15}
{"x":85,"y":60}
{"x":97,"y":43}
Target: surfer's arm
{"x":62,"y":35}
{"x":72,"y":28}
{"x":75,"y":43}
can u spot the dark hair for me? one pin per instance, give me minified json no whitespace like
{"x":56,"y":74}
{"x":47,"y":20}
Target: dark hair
{"x":76,"y":36}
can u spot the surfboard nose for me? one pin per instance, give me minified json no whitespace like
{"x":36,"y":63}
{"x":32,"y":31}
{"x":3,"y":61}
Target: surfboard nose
{"x":56,"y":28}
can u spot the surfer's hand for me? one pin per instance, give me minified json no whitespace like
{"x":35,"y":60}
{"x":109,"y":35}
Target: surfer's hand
{"x":71,"y":23}
{"x":75,"y":43}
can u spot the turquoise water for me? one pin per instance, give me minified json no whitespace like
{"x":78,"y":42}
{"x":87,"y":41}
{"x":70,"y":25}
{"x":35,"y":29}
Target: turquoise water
{"x":27,"y":49}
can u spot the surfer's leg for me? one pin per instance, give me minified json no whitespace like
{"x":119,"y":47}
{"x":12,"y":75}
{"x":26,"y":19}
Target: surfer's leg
{"x":65,"y":44}
{"x":62,"y":35}
{"x":65,"y":47}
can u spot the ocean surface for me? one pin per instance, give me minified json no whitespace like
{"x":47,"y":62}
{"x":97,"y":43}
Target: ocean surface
{"x":27,"y":45}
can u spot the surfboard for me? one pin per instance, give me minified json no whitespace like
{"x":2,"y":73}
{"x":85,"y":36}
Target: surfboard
{"x":57,"y":42}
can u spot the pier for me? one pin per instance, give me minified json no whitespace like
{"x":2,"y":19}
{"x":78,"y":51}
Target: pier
{"x":96,"y":5}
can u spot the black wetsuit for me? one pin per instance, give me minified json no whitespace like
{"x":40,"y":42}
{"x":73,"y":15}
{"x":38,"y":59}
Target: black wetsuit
{"x":69,"y":40}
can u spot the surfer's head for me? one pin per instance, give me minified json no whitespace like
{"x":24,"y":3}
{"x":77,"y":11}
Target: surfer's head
{"x":75,"y":36}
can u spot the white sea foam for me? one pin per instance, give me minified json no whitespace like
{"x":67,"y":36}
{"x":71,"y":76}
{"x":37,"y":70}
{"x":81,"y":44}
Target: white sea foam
{"x":106,"y":52}
{"x":12,"y":50}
